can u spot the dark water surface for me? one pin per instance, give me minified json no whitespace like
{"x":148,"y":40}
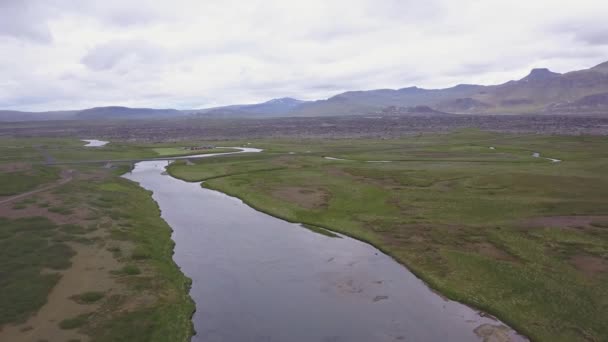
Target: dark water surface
{"x":258,"y":278}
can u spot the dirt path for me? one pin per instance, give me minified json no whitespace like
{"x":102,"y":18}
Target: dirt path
{"x":66,"y":176}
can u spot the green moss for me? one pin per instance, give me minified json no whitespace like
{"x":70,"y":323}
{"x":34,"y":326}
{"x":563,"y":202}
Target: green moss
{"x":31,"y":248}
{"x":75,"y":322}
{"x":88,"y":297}
{"x":27,"y":248}
{"x":73,"y":229}
{"x":441,"y":195}
{"x":140,"y":253}
{"x":61,"y":210}
{"x":130,"y":270}
{"x":13,"y":183}
{"x":141,"y":325}
{"x":153,"y":249}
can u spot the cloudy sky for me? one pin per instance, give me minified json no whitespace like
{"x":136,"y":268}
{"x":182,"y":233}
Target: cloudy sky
{"x":65,"y":54}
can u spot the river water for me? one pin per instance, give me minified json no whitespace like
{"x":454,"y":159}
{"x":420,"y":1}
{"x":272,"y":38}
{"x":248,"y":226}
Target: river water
{"x":259,"y":278}
{"x":94,"y":142}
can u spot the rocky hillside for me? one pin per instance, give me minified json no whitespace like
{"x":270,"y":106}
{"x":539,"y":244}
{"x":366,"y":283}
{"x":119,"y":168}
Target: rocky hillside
{"x":541,"y":91}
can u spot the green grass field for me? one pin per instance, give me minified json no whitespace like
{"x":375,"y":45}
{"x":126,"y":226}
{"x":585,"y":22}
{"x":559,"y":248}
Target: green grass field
{"x":27,"y":248}
{"x":148,"y":300}
{"x":139,"y":222}
{"x":519,"y":237}
{"x":73,"y":150}
{"x":179,"y":151}
{"x":13,"y":183}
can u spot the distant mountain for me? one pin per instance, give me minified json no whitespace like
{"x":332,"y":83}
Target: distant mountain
{"x":274,"y":107}
{"x":361,"y":102}
{"x":15,"y":115}
{"x":541,"y":91}
{"x":116,"y":112}
{"x":591,"y":104}
{"x":540,"y":74}
{"x":603,"y":67}
{"x":463,"y":105}
{"x":97,"y":113}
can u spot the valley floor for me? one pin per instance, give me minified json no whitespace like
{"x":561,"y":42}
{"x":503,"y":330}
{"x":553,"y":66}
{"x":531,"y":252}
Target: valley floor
{"x":472,"y":213}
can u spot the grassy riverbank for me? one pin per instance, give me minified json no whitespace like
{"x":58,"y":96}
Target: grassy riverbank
{"x":87,"y":260}
{"x":472,"y":213}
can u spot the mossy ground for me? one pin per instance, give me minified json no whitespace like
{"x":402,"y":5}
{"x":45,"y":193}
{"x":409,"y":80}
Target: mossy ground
{"x":464,"y":217}
{"x":94,"y":225}
{"x":519,"y":237}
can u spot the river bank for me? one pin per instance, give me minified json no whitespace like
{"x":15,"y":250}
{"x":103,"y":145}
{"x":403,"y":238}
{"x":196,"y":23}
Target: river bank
{"x":256,"y":275}
{"x":476,"y":232}
{"x":90,"y":259}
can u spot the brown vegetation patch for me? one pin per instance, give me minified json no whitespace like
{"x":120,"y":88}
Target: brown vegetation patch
{"x":418,"y":233}
{"x":92,"y":268}
{"x":446,"y":185}
{"x":46,"y":201}
{"x":94,"y":175}
{"x":491,"y":251}
{"x":283,"y":161}
{"x":338,"y":172}
{"x":66,"y":176}
{"x":89,"y":272}
{"x":309,"y":198}
{"x":565,"y":222}
{"x":77,"y":214}
{"x":589,"y":265}
{"x":384,"y":182}
{"x":15,"y":167}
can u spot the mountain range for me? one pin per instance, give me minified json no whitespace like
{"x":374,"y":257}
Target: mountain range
{"x":540,"y":92}
{"x":97,"y":113}
{"x":274,"y":107}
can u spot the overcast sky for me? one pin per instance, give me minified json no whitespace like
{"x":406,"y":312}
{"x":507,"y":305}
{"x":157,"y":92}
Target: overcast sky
{"x":65,"y":54}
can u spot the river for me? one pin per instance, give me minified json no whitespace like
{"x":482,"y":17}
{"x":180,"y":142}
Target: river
{"x":94,"y":142}
{"x":259,"y":278}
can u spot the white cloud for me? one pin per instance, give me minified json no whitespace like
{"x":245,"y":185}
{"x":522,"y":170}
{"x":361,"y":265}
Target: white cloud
{"x":59,"y":54}
{"x":126,"y":54}
{"x":20,"y":20}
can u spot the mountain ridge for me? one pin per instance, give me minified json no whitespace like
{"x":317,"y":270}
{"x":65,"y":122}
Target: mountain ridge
{"x":542,"y":91}
{"x":537,"y":92}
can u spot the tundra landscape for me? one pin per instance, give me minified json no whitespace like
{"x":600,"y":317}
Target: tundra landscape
{"x":310,"y":172}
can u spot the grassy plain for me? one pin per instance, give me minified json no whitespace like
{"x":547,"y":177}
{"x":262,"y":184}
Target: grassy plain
{"x":472,"y":213}
{"x":14,"y":182}
{"x":125,"y":151}
{"x":180,"y":151}
{"x":89,"y":259}
{"x":27,"y":248}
